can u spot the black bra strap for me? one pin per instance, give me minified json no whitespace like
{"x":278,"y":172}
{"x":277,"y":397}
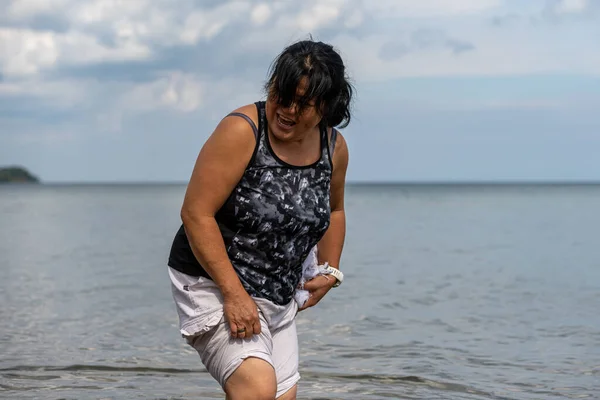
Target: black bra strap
{"x":247,"y":118}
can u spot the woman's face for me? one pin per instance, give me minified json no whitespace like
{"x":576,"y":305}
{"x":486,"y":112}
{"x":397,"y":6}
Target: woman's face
{"x":286,"y":123}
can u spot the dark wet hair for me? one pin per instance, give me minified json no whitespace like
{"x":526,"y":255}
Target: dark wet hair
{"x":328,"y":85}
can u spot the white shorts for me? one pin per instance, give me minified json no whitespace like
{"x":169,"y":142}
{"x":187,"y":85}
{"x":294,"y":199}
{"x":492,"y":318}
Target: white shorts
{"x":201,"y":322}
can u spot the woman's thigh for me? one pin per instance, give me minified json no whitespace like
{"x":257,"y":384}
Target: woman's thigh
{"x":285,"y":358}
{"x":253,"y":379}
{"x":269,"y":380}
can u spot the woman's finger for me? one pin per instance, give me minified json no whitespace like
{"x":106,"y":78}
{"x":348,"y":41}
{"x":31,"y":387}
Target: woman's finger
{"x":233,"y":329}
{"x":241,"y":331}
{"x":256,"y":327}
{"x":238,"y":330}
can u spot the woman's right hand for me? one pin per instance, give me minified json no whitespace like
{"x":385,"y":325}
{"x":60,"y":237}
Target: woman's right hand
{"x":241,"y":313}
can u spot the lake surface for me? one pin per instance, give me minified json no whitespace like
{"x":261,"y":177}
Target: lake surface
{"x":451,"y":292}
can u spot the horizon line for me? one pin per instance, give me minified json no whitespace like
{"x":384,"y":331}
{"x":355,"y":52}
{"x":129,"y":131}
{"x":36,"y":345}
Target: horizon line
{"x":348,"y":183}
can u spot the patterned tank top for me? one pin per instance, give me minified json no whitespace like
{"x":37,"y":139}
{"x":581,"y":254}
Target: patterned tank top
{"x":271,"y":220}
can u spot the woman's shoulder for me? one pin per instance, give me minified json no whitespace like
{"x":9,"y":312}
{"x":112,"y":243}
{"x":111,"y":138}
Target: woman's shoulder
{"x":249,"y":110}
{"x":240,"y":121}
{"x":234,"y":133}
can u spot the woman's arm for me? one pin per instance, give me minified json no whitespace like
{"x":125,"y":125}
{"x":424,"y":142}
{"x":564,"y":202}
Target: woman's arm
{"x":219,"y":167}
{"x":329,"y":248}
{"x":331,"y":245}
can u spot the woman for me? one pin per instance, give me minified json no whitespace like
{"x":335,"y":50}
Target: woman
{"x":267,"y":187}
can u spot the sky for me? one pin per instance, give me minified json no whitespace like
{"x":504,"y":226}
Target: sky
{"x":461,"y":90}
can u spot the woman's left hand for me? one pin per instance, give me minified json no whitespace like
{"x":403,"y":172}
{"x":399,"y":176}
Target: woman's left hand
{"x":317,"y":288}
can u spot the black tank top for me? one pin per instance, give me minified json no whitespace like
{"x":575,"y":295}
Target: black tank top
{"x":271,"y":220}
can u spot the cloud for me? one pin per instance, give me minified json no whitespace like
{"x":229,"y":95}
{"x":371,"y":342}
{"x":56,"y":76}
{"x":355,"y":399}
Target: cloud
{"x":261,"y":13}
{"x":180,"y":92}
{"x":319,"y":14}
{"x":565,"y":10}
{"x":459,"y":46}
{"x":429,"y":8}
{"x":120,"y":58}
{"x":505,"y":20}
{"x":428,"y":38}
{"x":27,"y":52}
{"x":551,"y":13}
{"x":104,"y":31}
{"x":423,"y":40}
{"x":27,"y":9}
{"x":569,"y":6}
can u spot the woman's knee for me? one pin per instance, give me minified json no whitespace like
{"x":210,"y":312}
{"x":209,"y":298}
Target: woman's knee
{"x":253,"y":379}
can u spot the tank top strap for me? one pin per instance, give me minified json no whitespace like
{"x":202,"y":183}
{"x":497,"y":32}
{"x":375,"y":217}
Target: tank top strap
{"x":255,"y":129}
{"x":330,"y":144}
{"x":261,"y":110}
{"x":334,"y":134}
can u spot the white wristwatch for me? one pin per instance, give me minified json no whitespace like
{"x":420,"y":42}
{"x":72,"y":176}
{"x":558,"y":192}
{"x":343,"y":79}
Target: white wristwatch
{"x":337,"y":274}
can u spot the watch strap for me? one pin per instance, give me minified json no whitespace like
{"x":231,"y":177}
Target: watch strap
{"x":337,"y":274}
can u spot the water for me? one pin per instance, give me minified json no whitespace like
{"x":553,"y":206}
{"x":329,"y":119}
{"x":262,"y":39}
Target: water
{"x":452,"y":292}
